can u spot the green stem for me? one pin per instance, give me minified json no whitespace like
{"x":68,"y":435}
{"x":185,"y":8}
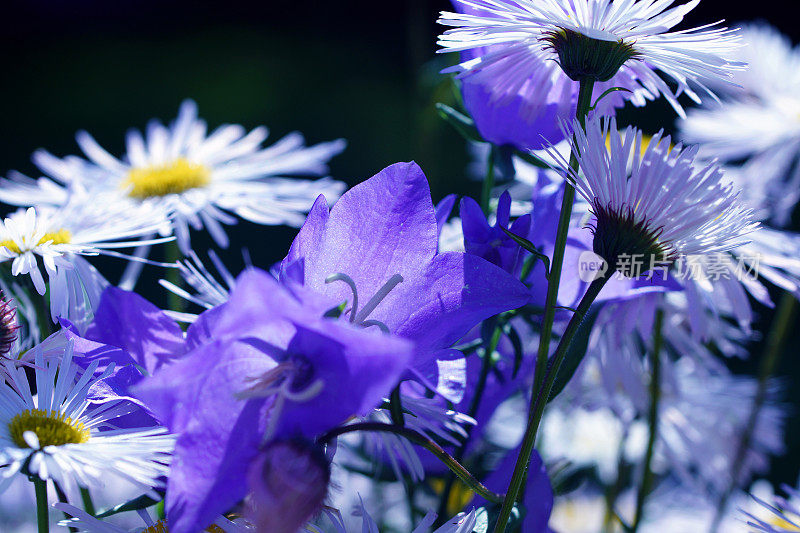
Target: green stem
{"x":773,"y":350}
{"x":42,"y":518}
{"x":486,"y":366}
{"x":488,"y":182}
{"x":62,"y":497}
{"x":421,"y":440}
{"x":614,"y":490}
{"x":172,"y":255}
{"x":565,"y":216}
{"x":88,"y":504}
{"x":539,"y":401}
{"x":652,"y":421}
{"x":584,"y":104}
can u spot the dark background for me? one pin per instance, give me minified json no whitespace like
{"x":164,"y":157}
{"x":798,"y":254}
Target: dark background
{"x":362,"y":70}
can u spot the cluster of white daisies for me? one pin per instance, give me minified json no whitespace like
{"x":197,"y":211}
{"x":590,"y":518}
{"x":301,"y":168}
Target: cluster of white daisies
{"x":173,"y":179}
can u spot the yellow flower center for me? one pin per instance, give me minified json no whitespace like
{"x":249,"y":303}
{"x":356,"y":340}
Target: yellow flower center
{"x":785,"y":525}
{"x":51,"y":427}
{"x":61,"y":236}
{"x":643,"y":148}
{"x":161,"y":527}
{"x":460,"y":495}
{"x":158,"y":527}
{"x":161,"y":180}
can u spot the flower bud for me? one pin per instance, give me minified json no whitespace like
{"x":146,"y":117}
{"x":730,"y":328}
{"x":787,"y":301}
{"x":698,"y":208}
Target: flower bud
{"x":8,"y":326}
{"x":288,"y":484}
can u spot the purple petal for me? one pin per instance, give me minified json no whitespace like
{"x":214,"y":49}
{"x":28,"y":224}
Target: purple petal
{"x":219,"y":433}
{"x":309,"y":238}
{"x":454,"y":293}
{"x":443,"y":210}
{"x":357,"y":368}
{"x":381,"y":227}
{"x":126,"y":320}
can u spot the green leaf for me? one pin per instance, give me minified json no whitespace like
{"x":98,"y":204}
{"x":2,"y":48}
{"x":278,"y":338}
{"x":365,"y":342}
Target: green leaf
{"x":528,"y":245}
{"x":461,"y":122}
{"x":142,"y":502}
{"x":575,"y":354}
{"x":606,"y":93}
{"x":335,"y":312}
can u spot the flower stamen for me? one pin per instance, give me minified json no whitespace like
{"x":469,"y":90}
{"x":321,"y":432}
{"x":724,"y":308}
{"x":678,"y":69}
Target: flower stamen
{"x":162,"y":180}
{"x":52,"y":428}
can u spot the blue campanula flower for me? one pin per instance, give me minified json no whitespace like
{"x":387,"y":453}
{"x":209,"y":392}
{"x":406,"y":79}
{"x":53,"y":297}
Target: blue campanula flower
{"x":128,"y":339}
{"x":377,"y":250}
{"x":490,"y":242}
{"x":288,"y":483}
{"x":276,"y":368}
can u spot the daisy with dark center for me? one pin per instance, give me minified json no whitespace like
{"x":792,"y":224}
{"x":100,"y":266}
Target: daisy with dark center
{"x":626,"y":41}
{"x":652,"y":204}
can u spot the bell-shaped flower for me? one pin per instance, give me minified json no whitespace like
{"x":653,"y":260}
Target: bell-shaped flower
{"x":276,"y":368}
{"x":377,"y":250}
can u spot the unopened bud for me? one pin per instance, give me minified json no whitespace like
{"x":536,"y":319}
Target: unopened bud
{"x":288,"y":485}
{"x":8,"y":326}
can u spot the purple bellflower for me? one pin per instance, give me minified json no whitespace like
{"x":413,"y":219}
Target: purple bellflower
{"x":276,"y":369}
{"x":136,"y":337}
{"x":288,"y":483}
{"x":491,"y":242}
{"x":377,"y":249}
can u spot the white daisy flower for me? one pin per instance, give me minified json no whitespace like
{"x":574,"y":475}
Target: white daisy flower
{"x":64,"y":177}
{"x":85,"y":522}
{"x":595,"y":39}
{"x":702,"y":413}
{"x":197,"y":179}
{"x":61,"y":436}
{"x":58,"y":237}
{"x":759,"y":123}
{"x":651,"y":203}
